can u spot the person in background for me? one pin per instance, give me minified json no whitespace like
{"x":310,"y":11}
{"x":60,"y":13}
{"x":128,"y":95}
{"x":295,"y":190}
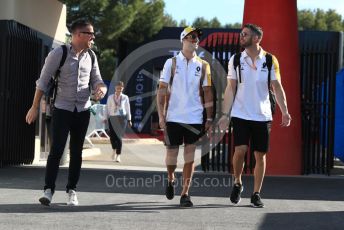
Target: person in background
{"x":119,"y":116}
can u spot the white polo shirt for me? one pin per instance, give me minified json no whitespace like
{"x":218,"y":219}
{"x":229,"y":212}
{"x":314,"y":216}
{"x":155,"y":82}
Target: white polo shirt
{"x":185,"y":104}
{"x":252,"y":97}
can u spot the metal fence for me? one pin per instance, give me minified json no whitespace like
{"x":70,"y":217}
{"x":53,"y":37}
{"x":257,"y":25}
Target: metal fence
{"x":20,"y":63}
{"x":320,"y":60}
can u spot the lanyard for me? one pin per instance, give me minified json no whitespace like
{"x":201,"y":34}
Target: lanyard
{"x":117,"y":103}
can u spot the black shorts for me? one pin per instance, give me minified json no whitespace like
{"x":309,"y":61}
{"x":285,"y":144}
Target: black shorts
{"x":257,"y":133}
{"x":178,"y":133}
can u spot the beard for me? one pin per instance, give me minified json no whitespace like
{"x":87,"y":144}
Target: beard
{"x":246,"y":44}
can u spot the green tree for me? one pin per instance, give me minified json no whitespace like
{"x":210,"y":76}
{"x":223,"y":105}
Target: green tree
{"x":306,"y":19}
{"x":204,"y":23}
{"x":236,"y":25}
{"x":320,"y":20}
{"x":169,"y":21}
{"x":334,"y":21}
{"x":149,"y":20}
{"x":201,"y":22}
{"x":117,"y":20}
{"x":215,"y":23}
{"x":183,"y":23}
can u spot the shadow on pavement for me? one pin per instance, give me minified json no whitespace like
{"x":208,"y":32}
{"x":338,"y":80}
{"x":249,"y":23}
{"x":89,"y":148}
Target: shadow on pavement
{"x":142,"y":207}
{"x":153,"y":182}
{"x":303,"y":220}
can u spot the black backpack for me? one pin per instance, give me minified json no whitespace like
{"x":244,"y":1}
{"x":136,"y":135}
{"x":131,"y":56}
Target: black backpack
{"x":268,"y":56}
{"x":53,"y":83}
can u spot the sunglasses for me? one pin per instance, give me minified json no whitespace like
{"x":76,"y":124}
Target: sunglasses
{"x":192,"y":36}
{"x":88,"y":33}
{"x":244,"y":34}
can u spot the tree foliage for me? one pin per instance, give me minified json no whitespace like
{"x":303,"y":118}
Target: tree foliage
{"x":183,"y":23}
{"x":320,"y":20}
{"x":134,"y":21}
{"x":236,"y":25}
{"x":307,"y":20}
{"x":169,"y":21}
{"x":117,"y":20}
{"x":201,"y":22}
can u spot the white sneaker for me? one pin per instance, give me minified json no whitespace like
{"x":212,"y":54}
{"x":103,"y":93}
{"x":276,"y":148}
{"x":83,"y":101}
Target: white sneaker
{"x":47,"y":197}
{"x":114,"y":156}
{"x":118,"y":158}
{"x":72,"y":198}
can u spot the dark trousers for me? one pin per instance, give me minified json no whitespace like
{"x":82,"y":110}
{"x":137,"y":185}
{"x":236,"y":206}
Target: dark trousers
{"x":117,"y":126}
{"x":64,"y":122}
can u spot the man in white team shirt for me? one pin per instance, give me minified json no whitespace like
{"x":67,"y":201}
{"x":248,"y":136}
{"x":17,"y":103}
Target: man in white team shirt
{"x":183,"y":118}
{"x":251,"y":111}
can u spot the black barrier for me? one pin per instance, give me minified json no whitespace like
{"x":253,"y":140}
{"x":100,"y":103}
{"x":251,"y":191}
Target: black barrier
{"x":20,"y":63}
{"x":319,"y":56}
{"x":217,"y":151}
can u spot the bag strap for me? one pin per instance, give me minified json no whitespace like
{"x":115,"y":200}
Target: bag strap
{"x":93,"y":58}
{"x":58,"y":71}
{"x":173,"y":69}
{"x":62,"y":61}
{"x":168,"y":94}
{"x":201,"y":81}
{"x":236,"y":64}
{"x":268,"y":61}
{"x":268,"y":58}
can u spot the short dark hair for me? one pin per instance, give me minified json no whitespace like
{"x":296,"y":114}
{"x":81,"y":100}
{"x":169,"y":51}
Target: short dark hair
{"x":255,"y":29}
{"x":120,"y":83}
{"x":78,"y":24}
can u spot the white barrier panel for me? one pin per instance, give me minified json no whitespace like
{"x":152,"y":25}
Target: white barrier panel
{"x":97,"y":125}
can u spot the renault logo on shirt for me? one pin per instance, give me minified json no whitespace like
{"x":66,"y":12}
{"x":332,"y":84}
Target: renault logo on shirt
{"x":198,"y":69}
{"x":264,"y":67}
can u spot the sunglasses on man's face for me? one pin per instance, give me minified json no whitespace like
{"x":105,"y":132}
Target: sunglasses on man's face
{"x":88,"y":33}
{"x":244,"y":34}
{"x":192,"y":36}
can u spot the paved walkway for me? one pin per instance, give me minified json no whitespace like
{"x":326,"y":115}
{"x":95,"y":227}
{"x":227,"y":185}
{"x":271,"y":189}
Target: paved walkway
{"x":130,"y":195}
{"x":147,"y":152}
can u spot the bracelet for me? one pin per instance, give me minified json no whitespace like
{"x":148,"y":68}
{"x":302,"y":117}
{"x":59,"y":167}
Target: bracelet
{"x":209,"y":119}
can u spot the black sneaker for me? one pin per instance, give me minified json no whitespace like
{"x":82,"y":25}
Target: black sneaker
{"x":185,"y":201}
{"x":256,"y":201}
{"x":170,"y":190}
{"x":236,"y":193}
